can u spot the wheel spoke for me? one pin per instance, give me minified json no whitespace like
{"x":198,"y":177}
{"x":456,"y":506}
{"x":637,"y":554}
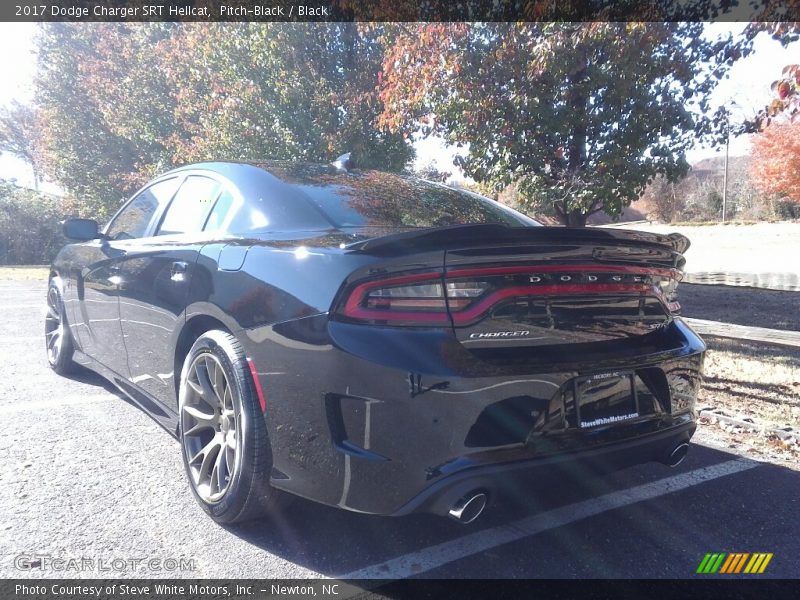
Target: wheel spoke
{"x":230,"y":459}
{"x":202,"y":420}
{"x":207,"y":390}
{"x":213,"y":482}
{"x":218,"y":475}
{"x":209,"y":454}
{"x":195,"y":387}
{"x":217,"y":381}
{"x":53,"y":338}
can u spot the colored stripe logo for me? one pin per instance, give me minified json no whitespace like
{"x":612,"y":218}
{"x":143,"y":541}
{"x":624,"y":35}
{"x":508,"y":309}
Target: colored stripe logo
{"x":734,"y":562}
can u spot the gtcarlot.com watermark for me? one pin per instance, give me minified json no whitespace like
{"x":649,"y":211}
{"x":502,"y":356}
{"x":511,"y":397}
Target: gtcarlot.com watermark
{"x":117,"y":564}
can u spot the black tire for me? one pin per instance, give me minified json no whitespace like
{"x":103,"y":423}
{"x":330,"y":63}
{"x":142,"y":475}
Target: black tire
{"x":57,"y":336}
{"x":248,"y":493}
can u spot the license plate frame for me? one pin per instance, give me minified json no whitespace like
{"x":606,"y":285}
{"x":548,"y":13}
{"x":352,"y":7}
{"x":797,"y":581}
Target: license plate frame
{"x":590,"y":412}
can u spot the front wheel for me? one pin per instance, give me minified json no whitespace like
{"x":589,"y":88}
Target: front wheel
{"x":57,"y":336}
{"x":226,"y":451}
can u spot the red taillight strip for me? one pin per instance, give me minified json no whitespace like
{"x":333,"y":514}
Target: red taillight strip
{"x":396,"y":315}
{"x":353,"y":308}
{"x":629,"y":270}
{"x":459,"y":318}
{"x":259,"y":392}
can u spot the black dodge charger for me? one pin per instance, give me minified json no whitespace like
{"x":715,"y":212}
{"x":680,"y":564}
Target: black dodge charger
{"x":373,"y":341}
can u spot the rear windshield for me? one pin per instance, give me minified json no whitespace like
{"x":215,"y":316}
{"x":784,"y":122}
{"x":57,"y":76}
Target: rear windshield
{"x":376,"y":199}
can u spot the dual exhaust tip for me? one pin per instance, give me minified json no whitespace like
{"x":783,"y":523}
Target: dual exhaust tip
{"x":677,"y":455}
{"x":469,"y":508}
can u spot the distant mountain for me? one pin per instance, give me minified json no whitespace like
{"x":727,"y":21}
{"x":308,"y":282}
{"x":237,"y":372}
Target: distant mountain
{"x":717,"y":163}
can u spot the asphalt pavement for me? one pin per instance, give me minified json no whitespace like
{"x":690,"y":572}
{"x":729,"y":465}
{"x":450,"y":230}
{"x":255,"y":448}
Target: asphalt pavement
{"x":90,"y":486}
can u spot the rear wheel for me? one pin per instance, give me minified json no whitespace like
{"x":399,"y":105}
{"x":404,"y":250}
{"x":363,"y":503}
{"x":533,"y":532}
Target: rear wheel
{"x":226,"y":451}
{"x":57,"y":337}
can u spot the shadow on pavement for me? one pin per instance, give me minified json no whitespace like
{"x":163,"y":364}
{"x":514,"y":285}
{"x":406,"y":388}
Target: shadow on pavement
{"x":334,"y":542}
{"x":83,"y":375}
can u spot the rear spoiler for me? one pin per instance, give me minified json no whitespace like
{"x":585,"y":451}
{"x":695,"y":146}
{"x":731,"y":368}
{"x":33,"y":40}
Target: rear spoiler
{"x":454,"y":236}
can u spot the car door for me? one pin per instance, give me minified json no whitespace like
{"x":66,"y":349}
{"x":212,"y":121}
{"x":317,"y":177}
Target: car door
{"x":97,"y":318}
{"x":155,"y":275}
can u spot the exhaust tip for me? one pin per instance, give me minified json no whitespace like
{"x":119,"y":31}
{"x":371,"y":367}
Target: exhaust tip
{"x":469,"y":508}
{"x":677,"y":455}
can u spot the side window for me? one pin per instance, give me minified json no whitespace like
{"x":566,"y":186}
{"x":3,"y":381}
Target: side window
{"x":221,"y":213}
{"x":188,"y":210}
{"x":134,"y":219}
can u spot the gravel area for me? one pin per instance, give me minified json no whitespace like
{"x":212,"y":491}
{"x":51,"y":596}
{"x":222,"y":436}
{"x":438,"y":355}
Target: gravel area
{"x":752,"y":382}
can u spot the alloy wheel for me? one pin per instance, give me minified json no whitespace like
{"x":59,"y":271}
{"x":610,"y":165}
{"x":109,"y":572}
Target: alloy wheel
{"x":53,"y":326}
{"x":210,"y":427}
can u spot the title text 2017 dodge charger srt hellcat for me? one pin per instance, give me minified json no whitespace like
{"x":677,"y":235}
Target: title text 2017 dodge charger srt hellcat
{"x":373,"y":341}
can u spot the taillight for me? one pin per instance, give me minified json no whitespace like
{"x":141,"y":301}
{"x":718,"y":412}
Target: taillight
{"x":669,"y":293}
{"x":422,"y":297}
{"x":467,"y":295}
{"x":403,"y":300}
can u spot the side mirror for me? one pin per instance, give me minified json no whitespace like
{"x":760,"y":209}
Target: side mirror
{"x":81,"y":230}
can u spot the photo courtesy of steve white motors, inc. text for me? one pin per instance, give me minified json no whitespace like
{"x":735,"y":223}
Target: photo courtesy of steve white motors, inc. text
{"x":176,"y":589}
{"x":169,"y":11}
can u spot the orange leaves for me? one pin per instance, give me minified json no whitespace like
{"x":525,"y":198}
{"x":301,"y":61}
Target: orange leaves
{"x":418,"y":63}
{"x":786,"y":100}
{"x":775,"y":166}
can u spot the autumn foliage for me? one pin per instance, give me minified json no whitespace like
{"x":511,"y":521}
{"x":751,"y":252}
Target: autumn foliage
{"x":776,"y":160}
{"x":123,"y":102}
{"x":581,"y":116}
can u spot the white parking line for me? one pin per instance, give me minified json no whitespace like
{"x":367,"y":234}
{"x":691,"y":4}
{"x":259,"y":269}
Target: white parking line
{"x":432,"y":557}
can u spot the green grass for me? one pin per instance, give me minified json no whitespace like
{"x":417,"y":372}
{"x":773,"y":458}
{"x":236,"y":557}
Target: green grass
{"x":24,"y":273}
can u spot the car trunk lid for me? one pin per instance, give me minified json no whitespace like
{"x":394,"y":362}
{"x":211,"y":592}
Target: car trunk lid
{"x":558,"y":286}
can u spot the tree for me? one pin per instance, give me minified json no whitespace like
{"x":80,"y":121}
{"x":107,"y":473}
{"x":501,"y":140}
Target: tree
{"x":775,"y":166}
{"x":581,"y":115}
{"x":126,"y":101}
{"x":665,"y":198}
{"x":786,"y":89}
{"x":30,"y":225}
{"x":279,"y":90}
{"x":19,"y":133}
{"x":78,"y":148}
{"x":431,"y":172}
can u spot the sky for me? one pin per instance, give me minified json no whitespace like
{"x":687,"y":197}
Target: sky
{"x":744,"y":91}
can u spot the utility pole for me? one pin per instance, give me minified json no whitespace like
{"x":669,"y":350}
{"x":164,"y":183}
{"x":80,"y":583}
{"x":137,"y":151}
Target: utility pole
{"x":729,"y":104}
{"x":725,"y":176}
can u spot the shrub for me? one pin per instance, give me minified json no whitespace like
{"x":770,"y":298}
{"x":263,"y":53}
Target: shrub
{"x":30,"y":225}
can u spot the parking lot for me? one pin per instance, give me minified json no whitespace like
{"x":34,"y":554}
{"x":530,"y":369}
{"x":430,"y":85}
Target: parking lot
{"x":86,"y":474}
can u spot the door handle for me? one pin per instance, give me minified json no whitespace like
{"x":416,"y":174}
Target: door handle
{"x":178,"y":270}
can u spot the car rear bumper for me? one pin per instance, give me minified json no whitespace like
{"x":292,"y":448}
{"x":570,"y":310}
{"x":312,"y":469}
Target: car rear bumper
{"x":390,"y":422}
{"x":558,"y":469}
